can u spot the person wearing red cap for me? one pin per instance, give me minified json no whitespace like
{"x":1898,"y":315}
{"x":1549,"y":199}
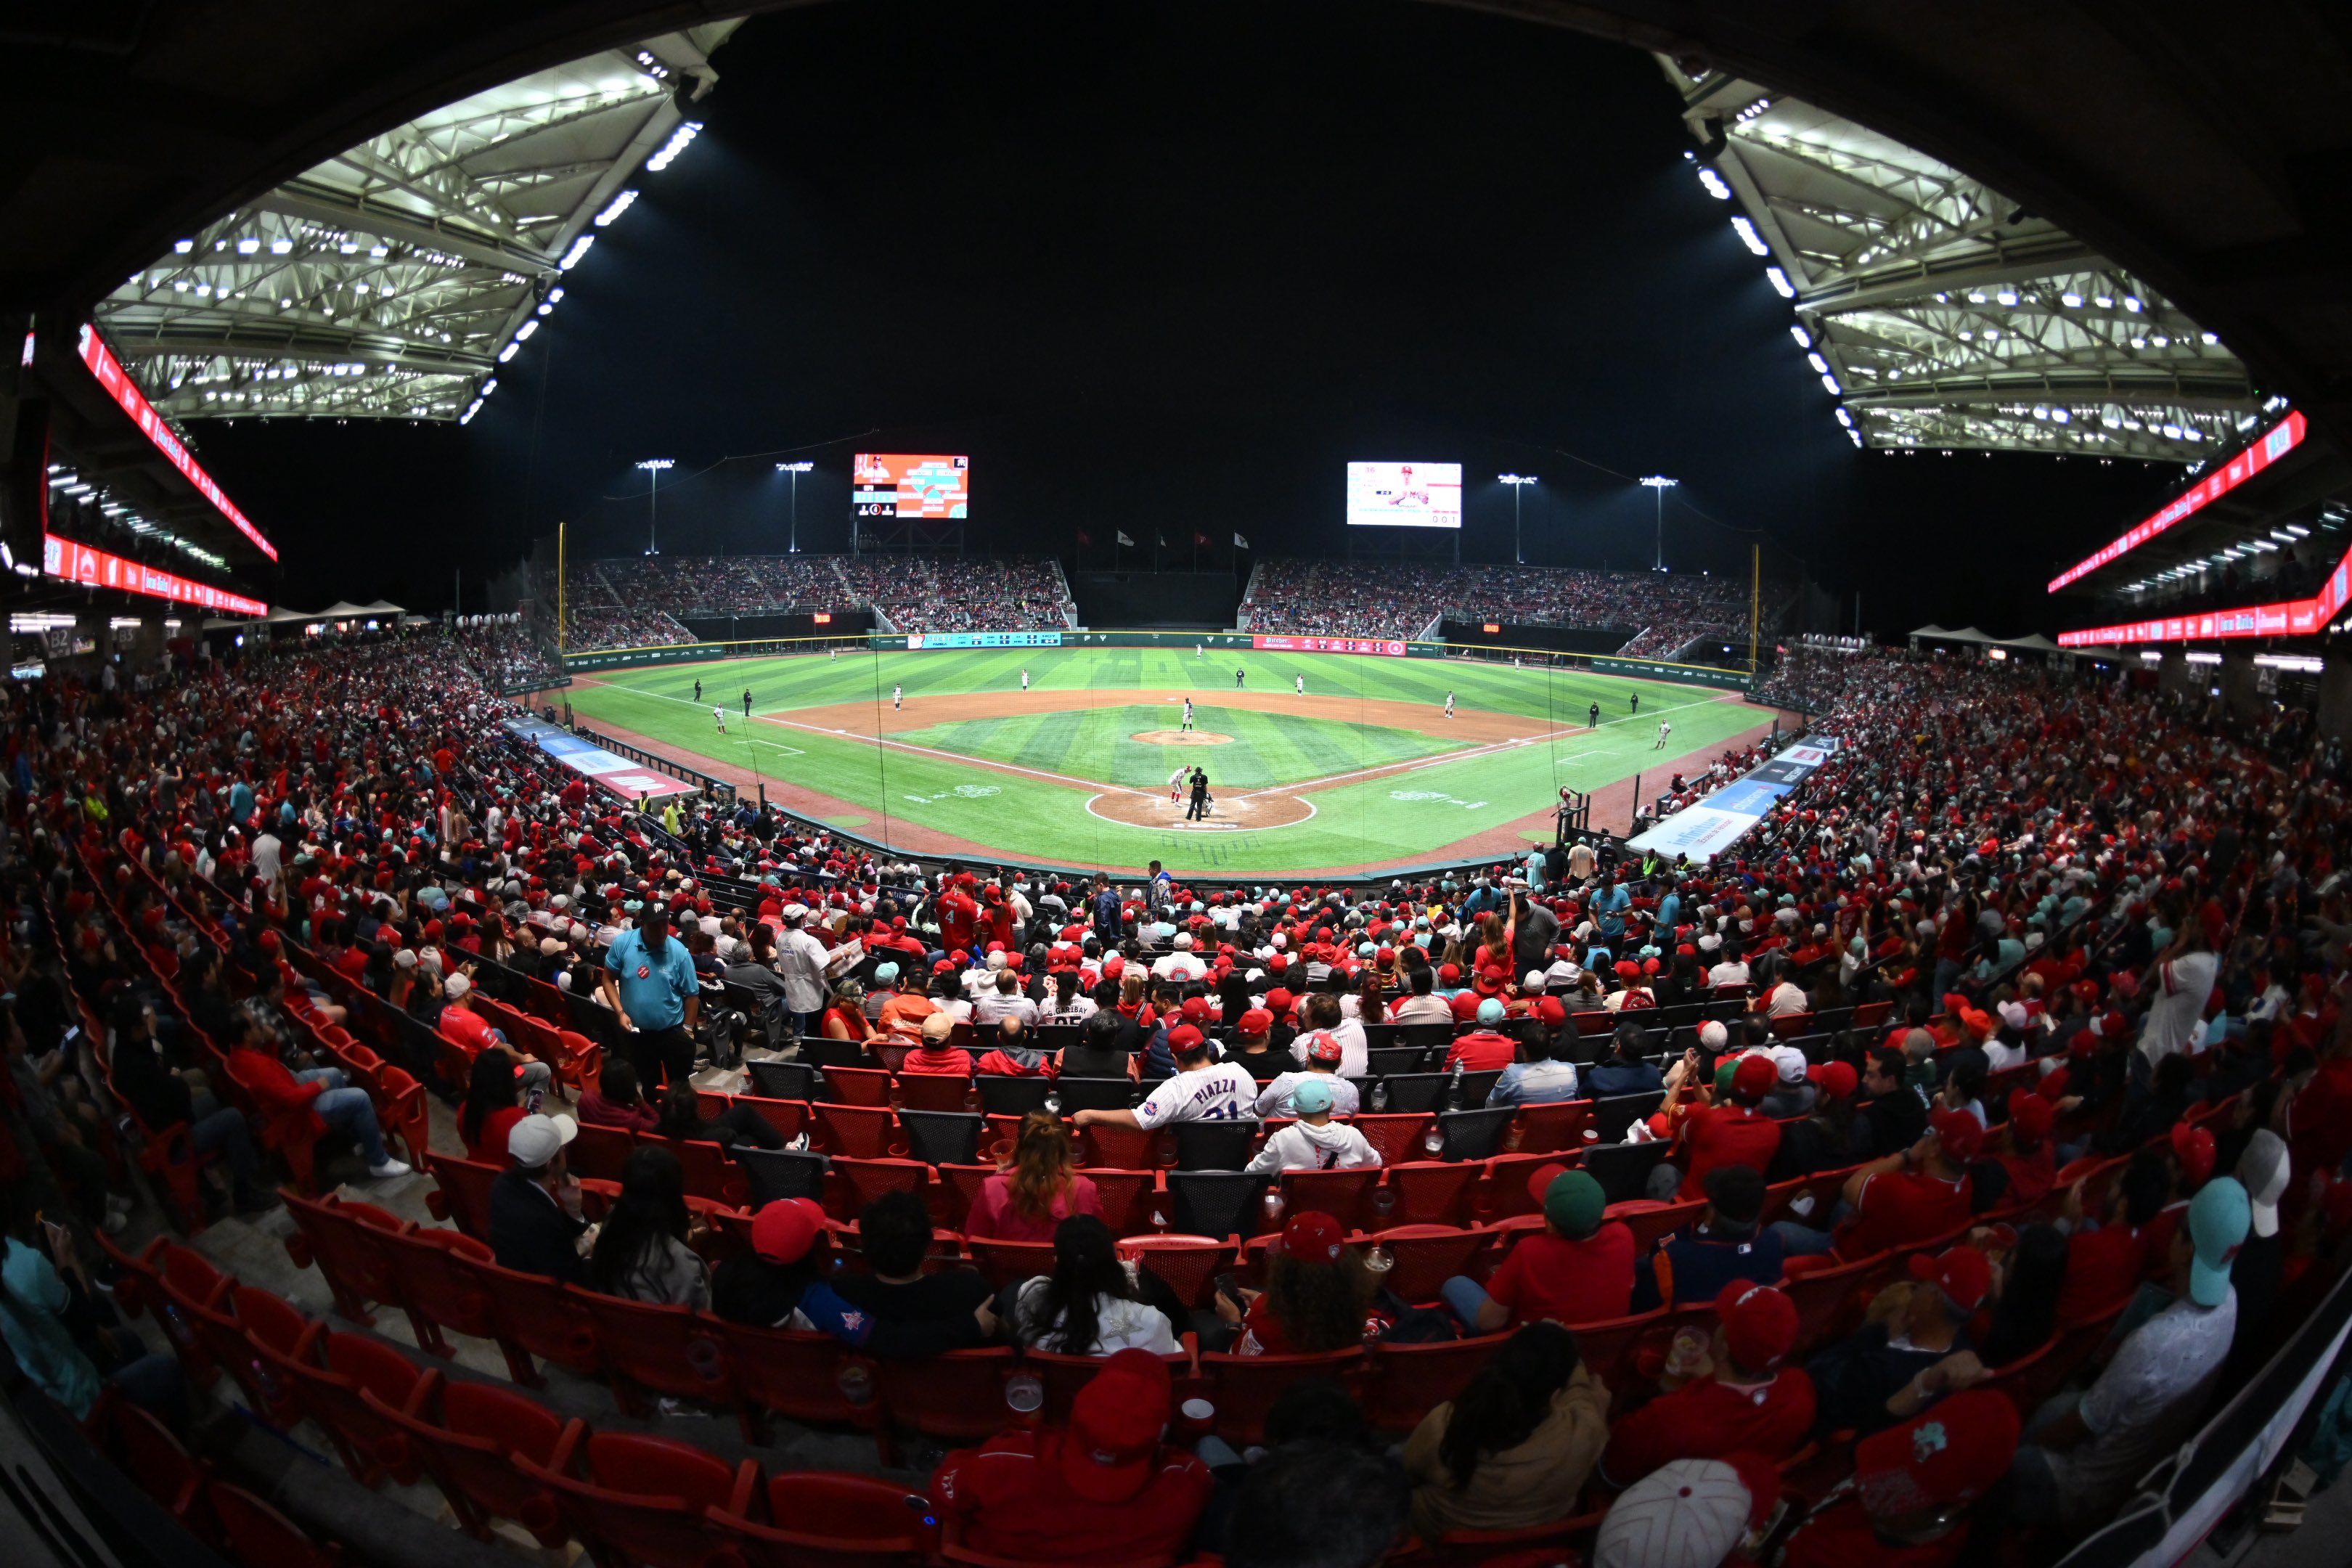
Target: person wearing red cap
{"x":1734,"y":1134}
{"x":1911,"y":1350}
{"x":1736,"y":1398}
{"x":1103,"y":1489}
{"x":2026,"y":1155}
{"x":1908,"y":1504}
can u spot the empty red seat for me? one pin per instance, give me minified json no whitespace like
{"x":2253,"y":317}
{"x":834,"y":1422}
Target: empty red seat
{"x":1552,"y":1129}
{"x":151,"y":1457}
{"x":1345,"y":1195}
{"x":1189,"y":1265}
{"x":599,"y":1153}
{"x":330,"y":1395}
{"x":859,"y":1132}
{"x":261,"y":1537}
{"x":958,"y":1396}
{"x":1424,"y":1256}
{"x":857,"y":1086}
{"x":652,"y":1349}
{"x":1408,"y":1382}
{"x":1396,"y":1137}
{"x":531,"y":1315}
{"x":434,"y":1291}
{"x":471,"y":1449}
{"x":933,"y":1091}
{"x":1433,"y":1191}
{"x":346,"y":1241}
{"x":462,"y":1194}
{"x":639,"y":1500}
{"x":1244,"y":1387}
{"x":1008,"y":1262}
{"x":825,"y":1519}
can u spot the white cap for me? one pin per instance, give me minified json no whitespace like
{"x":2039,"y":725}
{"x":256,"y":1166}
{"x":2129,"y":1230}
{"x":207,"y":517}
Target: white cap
{"x":1183,"y":942}
{"x":1534,"y":982}
{"x":1712,"y":1033}
{"x":1688,"y":1514}
{"x":1790,"y":1060}
{"x":534,"y":1141}
{"x":457,"y":986}
{"x":791,"y":912}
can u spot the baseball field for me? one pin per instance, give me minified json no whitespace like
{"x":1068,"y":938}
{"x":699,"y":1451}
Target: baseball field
{"x":1317,"y":764}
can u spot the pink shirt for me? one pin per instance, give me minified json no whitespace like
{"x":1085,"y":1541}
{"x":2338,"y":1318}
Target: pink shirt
{"x":992,"y":1214}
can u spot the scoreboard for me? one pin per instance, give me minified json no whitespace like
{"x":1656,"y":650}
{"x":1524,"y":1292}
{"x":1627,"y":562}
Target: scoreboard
{"x":907,"y":484}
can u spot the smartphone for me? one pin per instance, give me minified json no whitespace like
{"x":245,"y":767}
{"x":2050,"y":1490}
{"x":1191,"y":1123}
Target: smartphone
{"x":1229,"y":1287}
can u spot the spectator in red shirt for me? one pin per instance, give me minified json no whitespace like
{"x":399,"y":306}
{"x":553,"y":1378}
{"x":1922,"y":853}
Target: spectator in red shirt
{"x":1483,"y":1050}
{"x":2030,"y":1158}
{"x":2106,"y":1258}
{"x":1734,"y":1398}
{"x":1902,"y":1200}
{"x":1577,"y":1269}
{"x":1104,"y":1490}
{"x":1036,"y":1190}
{"x":935,"y":1057}
{"x":1907,"y":1507}
{"x":1318,"y":1296}
{"x":318,"y":1096}
{"x":1733,"y":1134}
{"x":471,"y":1033}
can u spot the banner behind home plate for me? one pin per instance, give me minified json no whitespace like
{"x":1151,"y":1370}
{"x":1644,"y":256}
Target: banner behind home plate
{"x":1723,"y":819}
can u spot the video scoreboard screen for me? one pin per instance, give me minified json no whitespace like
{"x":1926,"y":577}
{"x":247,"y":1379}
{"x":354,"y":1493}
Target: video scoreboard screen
{"x":904,"y":484}
{"x":1404,"y":495}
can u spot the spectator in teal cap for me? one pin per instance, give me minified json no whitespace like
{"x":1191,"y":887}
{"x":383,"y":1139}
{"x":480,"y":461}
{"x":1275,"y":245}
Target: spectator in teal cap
{"x":1314,"y":1142}
{"x":2085,"y":1451}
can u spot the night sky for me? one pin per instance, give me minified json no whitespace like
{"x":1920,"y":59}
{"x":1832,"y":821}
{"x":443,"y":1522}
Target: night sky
{"x":1170,"y":267}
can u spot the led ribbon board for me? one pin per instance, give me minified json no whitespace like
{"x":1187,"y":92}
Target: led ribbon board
{"x":97,"y":569}
{"x":2275,"y":443}
{"x":124,"y":391}
{"x":2288,"y":618}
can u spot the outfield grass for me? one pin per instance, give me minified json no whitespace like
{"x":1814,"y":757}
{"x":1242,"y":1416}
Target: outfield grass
{"x":1041,"y":812}
{"x":1266,"y":749}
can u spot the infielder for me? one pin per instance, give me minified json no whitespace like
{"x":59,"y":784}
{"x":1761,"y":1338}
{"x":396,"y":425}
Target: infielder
{"x":1302,"y":684}
{"x":1449,"y":705}
{"x":1024,"y":678}
{"x":720,"y":714}
{"x":1666,"y":728}
{"x":898,"y":697}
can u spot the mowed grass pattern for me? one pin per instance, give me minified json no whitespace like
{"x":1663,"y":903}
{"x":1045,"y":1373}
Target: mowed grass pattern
{"x":1414,"y":814}
{"x":1100,"y":744}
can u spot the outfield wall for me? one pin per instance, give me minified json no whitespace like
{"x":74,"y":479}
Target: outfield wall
{"x":1210,"y":642}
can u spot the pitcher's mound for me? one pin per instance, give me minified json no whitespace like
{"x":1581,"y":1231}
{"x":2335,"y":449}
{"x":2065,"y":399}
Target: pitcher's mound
{"x":1180,"y":737}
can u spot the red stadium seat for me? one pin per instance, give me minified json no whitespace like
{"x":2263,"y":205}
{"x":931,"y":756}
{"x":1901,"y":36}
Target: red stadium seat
{"x":1345,"y":1195}
{"x":1005,"y":1263}
{"x":1433,"y":1191}
{"x":267,"y":1323}
{"x":856,"y":1132}
{"x":1424,"y":1256}
{"x":470,"y":1452}
{"x":259,"y":1536}
{"x":598,"y":1153}
{"x":151,"y":1457}
{"x":933,"y":1091}
{"x":958,"y":1398}
{"x":1652,"y":1221}
{"x":857,"y":1086}
{"x":957,"y":1191}
{"x":1122,"y":1148}
{"x":1553,"y":1129}
{"x":346,"y":1241}
{"x":638,"y":1499}
{"x":825,"y":1519}
{"x":1244,"y":1388}
{"x":531,"y":1315}
{"x":656,"y":1350}
{"x":864,"y":1180}
{"x":1128,"y":1198}
{"x":432,"y":1291}
{"x":1396,"y":1138}
{"x":1189,"y":1265}
{"x":330,"y":1396}
{"x":790,"y":1118}
{"x":1830,"y":1300}
{"x":798,"y":1375}
{"x":1410,"y":1380}
{"x":463,"y":1195}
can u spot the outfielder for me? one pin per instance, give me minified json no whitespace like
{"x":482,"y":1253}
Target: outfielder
{"x":720,"y":714}
{"x":1666,"y":728}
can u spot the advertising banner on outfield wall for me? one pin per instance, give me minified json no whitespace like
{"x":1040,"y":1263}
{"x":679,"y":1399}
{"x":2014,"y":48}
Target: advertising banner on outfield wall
{"x":630,"y":658}
{"x":919,"y":640}
{"x":1723,"y":819}
{"x":1687,"y":674}
{"x":1385,"y":648}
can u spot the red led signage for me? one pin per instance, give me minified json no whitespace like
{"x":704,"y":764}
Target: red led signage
{"x":2289,"y":619}
{"x":2275,"y":442}
{"x":124,"y":391}
{"x":97,"y":569}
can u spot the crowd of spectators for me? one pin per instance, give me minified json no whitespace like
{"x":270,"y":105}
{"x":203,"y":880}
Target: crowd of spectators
{"x":1659,"y":613}
{"x":2104,"y":925}
{"x":959,"y":593}
{"x":729,"y":584}
{"x":507,"y":655}
{"x":595,"y":616}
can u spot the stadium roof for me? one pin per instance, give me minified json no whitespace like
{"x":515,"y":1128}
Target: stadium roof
{"x":1943,"y":313}
{"x":391,"y":280}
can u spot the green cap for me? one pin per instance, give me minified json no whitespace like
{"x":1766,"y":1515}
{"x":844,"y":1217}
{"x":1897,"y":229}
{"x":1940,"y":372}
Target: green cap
{"x":1574,"y":1203}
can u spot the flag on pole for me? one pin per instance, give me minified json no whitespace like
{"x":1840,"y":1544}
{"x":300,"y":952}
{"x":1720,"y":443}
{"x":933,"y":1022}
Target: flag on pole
{"x":1085,"y":538}
{"x":1198,"y":538}
{"x":1123,"y":539}
{"x":1239,"y":542}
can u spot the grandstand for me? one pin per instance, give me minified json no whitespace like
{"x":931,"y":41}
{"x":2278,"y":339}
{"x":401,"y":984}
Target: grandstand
{"x":473,"y":1096}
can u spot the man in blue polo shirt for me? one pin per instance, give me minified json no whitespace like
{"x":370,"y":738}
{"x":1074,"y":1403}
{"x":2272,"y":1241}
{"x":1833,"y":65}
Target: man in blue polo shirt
{"x":649,"y":981}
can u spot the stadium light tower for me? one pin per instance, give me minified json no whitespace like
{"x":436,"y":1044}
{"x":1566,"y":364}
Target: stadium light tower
{"x":1518,"y":483}
{"x":1659,"y":485}
{"x":653,"y":467}
{"x":796,"y":470}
